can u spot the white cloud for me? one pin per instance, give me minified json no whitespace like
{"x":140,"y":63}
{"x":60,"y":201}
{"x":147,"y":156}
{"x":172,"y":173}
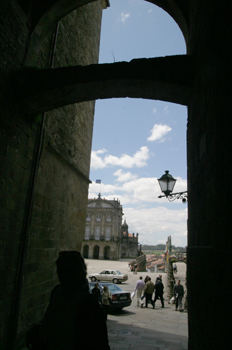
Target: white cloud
{"x":154,"y":110}
{"x":124,"y":16}
{"x":181,"y":184}
{"x":136,"y":191}
{"x":154,"y":225}
{"x":166,"y":110}
{"x":158,"y":131}
{"x":124,"y":177}
{"x":96,"y":161}
{"x":137,"y":160}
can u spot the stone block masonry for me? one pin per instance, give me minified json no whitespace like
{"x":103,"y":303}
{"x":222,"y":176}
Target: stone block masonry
{"x":61,"y":188}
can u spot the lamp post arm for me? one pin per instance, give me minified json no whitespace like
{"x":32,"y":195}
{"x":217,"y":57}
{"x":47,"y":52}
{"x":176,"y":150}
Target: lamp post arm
{"x":178,"y":195}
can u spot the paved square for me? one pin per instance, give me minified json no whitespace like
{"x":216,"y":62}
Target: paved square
{"x":144,"y":328}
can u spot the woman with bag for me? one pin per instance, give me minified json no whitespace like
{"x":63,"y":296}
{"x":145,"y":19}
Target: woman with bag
{"x":106,"y":300}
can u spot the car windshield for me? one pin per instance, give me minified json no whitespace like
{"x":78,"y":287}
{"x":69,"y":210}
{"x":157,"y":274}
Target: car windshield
{"x":118,"y":272}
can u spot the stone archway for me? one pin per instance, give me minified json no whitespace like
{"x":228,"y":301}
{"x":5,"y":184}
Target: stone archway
{"x":208,"y":140}
{"x":96,"y":250}
{"x":167,"y":78}
{"x":45,"y":17}
{"x":107,"y":252}
{"x":86,"y":251}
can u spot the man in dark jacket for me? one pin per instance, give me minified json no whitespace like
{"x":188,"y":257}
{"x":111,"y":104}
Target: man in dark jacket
{"x":159,"y":291}
{"x":178,"y":294}
{"x":97,"y":293}
{"x":148,"y":291}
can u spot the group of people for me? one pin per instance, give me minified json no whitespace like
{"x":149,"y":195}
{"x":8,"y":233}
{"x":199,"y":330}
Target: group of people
{"x":133,"y":268}
{"x":104,"y":298}
{"x":72,"y":309}
{"x":146,"y":288}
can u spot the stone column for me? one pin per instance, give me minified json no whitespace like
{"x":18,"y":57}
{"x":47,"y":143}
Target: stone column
{"x":170,"y":278}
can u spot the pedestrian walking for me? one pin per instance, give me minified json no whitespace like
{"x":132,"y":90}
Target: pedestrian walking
{"x":159,"y":291}
{"x":178,"y":294}
{"x":145,"y":281}
{"x":148,"y":291}
{"x":140,"y":285}
{"x":106,"y":300}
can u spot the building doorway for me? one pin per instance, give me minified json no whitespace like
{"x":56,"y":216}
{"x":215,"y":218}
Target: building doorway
{"x":96,"y":252}
{"x":86,"y":252}
{"x":107,"y":253}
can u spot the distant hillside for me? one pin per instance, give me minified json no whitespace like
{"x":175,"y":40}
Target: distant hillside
{"x":161,"y":247}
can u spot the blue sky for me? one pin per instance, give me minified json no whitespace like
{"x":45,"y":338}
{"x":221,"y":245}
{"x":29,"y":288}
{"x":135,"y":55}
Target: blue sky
{"x":136,"y":140}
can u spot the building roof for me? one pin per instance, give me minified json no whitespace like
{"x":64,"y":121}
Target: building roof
{"x":99,"y":202}
{"x":129,"y":234}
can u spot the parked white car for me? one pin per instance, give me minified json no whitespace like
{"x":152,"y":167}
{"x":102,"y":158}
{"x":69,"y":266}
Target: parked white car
{"x":114,"y":276}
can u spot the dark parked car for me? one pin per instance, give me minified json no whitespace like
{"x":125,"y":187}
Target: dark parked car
{"x":120,"y":298}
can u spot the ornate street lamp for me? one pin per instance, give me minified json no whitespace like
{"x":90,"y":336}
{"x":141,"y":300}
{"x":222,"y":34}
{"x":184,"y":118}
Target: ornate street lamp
{"x":167,"y":183}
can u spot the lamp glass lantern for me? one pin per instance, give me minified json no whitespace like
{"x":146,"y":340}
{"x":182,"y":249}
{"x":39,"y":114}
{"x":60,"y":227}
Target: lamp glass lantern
{"x":167,"y":183}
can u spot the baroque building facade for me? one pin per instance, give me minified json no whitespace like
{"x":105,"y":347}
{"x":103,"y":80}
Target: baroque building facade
{"x":103,"y":229}
{"x":105,"y":236}
{"x":129,"y":241}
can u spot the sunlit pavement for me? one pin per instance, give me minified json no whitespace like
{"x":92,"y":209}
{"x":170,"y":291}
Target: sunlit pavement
{"x":144,"y":328}
{"x":140,"y":328}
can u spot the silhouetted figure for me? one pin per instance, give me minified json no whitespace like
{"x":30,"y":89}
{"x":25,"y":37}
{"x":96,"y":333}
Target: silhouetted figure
{"x":97,"y":293}
{"x":74,"y":319}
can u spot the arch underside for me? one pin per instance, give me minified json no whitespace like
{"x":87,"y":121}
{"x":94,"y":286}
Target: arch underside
{"x":46,"y":14}
{"x":162,"y":78}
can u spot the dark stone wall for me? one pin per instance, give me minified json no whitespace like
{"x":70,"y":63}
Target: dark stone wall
{"x":17,"y":141}
{"x":61,"y":188}
{"x":64,"y":168}
{"x":209,"y":173}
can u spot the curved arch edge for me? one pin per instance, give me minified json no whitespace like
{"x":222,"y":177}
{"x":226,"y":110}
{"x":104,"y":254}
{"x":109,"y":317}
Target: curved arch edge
{"x":163,"y":78}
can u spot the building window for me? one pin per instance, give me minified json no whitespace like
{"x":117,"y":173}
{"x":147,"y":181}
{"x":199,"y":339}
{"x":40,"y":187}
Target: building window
{"x":108,"y":218}
{"x":108,"y":233}
{"x":88,"y":217}
{"x":97,"y":233}
{"x":98,"y":217}
{"x":87,"y":232}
